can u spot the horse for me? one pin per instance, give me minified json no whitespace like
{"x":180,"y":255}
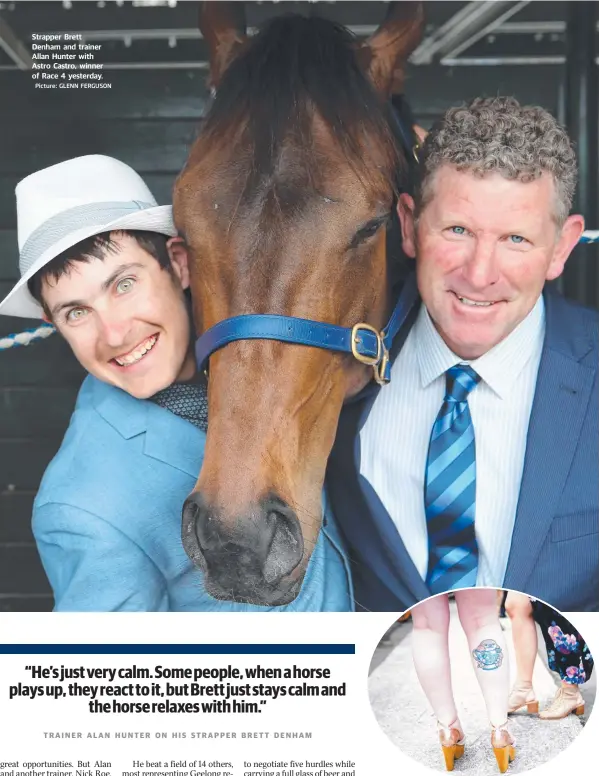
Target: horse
{"x":283,"y":203}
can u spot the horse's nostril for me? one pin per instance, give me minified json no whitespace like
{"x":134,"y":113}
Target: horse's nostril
{"x":192,"y":543}
{"x":286,"y":548}
{"x":205,"y":528}
{"x":190,"y":510}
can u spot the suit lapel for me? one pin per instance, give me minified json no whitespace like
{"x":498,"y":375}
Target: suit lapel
{"x":401,"y":566}
{"x":174,"y":441}
{"x":168,"y":438}
{"x":376,"y":547}
{"x":559,"y":407}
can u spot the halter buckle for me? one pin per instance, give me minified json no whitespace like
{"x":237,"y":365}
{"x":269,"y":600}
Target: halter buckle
{"x":379,"y":362}
{"x":355,"y":341}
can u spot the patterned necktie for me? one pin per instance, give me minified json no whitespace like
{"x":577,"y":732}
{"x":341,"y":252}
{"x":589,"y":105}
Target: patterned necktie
{"x":187,"y":400}
{"x":450,"y":488}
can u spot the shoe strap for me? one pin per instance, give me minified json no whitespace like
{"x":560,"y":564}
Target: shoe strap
{"x":455,"y":725}
{"x":503,"y":728}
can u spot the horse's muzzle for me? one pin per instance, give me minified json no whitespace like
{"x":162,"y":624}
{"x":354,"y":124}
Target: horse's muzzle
{"x":250,"y":559}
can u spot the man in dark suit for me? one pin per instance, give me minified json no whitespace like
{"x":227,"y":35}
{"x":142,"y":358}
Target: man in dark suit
{"x":477,"y":465}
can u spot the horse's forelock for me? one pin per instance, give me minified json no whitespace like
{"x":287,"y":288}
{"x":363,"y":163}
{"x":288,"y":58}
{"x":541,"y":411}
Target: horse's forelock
{"x":295,"y":69}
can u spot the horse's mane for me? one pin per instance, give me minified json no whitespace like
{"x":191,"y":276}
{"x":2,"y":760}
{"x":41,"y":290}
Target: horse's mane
{"x":267,"y":98}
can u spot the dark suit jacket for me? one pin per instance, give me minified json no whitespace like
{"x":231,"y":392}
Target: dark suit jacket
{"x":554,"y":549}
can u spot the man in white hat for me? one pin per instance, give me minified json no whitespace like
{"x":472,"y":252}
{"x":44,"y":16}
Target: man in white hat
{"x":101,"y":261}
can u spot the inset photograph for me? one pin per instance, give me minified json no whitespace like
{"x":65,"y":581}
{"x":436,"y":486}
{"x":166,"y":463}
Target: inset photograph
{"x":482,"y":681}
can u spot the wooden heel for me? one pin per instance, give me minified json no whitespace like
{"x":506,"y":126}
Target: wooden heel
{"x":579,"y":710}
{"x":449,"y":755}
{"x":504,"y":756}
{"x":452,"y":742}
{"x":533,"y":707}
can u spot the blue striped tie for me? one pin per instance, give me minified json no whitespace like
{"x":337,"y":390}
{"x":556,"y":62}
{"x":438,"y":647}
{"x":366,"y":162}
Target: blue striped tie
{"x":450,"y":488}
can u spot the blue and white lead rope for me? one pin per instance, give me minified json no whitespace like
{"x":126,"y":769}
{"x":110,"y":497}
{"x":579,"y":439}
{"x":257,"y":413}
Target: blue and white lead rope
{"x":26,"y":337}
{"x":46,"y":329}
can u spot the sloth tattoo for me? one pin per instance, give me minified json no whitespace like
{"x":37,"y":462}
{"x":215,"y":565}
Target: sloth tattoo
{"x":488,"y":655}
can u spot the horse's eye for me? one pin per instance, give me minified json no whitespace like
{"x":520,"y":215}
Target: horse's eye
{"x":368,"y":230}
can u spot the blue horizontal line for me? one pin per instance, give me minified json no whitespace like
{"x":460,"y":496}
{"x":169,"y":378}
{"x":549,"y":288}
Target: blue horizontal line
{"x":177,"y":649}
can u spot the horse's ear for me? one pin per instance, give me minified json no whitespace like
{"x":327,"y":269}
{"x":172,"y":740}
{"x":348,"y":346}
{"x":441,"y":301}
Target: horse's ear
{"x":384,"y":54}
{"x":223,"y":26}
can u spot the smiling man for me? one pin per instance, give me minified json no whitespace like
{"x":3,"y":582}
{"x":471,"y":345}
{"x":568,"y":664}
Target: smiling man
{"x":117,"y":298}
{"x":101,"y":260}
{"x":478,"y":463}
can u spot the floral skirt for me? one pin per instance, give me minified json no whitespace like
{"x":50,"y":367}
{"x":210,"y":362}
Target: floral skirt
{"x":567,"y":652}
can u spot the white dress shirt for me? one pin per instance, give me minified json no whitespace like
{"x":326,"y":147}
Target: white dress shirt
{"x":395,"y":438}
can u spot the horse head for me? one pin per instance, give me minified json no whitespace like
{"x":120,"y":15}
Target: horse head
{"x":283,"y":204}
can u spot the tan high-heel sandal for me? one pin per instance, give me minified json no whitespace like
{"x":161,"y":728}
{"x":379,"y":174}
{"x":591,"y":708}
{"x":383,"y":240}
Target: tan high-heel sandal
{"x":567,"y":700}
{"x":452,"y":742}
{"x":504,"y":746}
{"x":520,"y":697}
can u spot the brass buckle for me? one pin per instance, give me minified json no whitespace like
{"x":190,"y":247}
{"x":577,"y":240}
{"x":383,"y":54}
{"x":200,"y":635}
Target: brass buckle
{"x":379,"y":369}
{"x":368,"y":360}
{"x":415,"y":149}
{"x":378,"y":362}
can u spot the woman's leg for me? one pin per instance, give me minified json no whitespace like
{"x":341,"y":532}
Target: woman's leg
{"x":568,"y":655}
{"x":524,"y":635}
{"x":478,"y":614}
{"x":431,"y":656}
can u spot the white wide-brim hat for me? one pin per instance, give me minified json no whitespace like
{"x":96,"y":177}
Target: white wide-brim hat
{"x":61,"y":205}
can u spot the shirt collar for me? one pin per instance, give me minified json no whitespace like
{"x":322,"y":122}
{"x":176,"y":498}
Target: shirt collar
{"x":499,"y":367}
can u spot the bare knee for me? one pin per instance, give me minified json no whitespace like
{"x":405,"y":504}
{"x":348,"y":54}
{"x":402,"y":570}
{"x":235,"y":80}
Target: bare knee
{"x":477,"y":609}
{"x":518,"y":605}
{"x":432,"y":614}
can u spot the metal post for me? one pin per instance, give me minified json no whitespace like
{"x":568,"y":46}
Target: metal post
{"x":581,"y":278}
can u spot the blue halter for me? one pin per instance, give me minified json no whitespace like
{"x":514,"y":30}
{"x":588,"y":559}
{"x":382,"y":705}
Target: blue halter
{"x":363,"y":341}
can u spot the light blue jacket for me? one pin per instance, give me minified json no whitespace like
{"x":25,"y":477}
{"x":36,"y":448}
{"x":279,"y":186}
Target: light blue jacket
{"x":107,"y":517}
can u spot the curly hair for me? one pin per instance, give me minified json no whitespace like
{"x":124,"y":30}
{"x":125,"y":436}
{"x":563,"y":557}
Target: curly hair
{"x":498,"y":134}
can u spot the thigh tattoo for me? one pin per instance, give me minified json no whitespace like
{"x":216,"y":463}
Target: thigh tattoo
{"x":488,"y":655}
